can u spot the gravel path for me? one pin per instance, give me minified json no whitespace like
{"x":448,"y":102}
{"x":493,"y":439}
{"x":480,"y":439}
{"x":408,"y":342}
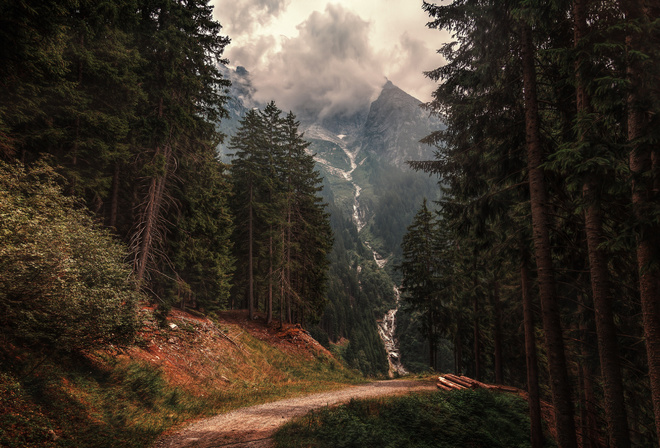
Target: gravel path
{"x":253,"y":427}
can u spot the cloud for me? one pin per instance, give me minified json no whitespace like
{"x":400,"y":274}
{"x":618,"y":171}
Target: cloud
{"x":242,"y":17}
{"x":412,"y":56}
{"x":253,"y":54}
{"x":328,"y":69}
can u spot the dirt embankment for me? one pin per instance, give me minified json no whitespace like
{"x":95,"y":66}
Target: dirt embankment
{"x":254,"y":426}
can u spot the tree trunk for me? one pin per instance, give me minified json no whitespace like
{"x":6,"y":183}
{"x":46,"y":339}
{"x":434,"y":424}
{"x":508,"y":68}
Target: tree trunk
{"x":477,"y":340}
{"x":431,"y":337}
{"x":554,"y":342}
{"x":608,"y":350}
{"x":534,"y":401}
{"x":458,"y":349}
{"x":589,"y":412}
{"x":269,"y":303}
{"x":148,"y":226}
{"x":643,"y":200}
{"x":497,"y":334}
{"x":114,"y":199}
{"x":250,"y":255}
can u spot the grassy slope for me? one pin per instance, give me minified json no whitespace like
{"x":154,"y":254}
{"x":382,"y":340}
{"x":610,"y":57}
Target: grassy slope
{"x":126,"y":399}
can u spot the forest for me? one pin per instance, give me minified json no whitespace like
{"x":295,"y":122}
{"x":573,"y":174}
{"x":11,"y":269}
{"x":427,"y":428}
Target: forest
{"x":122,"y":98}
{"x":543,"y":256}
{"x":538,"y":266}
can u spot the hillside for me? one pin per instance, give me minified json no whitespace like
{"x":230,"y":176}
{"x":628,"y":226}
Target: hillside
{"x":185,"y":368}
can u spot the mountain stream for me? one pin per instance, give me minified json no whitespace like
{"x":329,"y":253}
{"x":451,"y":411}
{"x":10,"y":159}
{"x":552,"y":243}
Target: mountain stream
{"x":386,"y":326}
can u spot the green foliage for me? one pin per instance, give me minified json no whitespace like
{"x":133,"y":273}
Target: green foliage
{"x":200,"y":242}
{"x":355,"y":300}
{"x":283,"y":245}
{"x":63,"y":280}
{"x":444,"y":420}
{"x":123,"y":96}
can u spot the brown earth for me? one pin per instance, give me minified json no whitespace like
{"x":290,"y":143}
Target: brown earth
{"x":255,"y":425}
{"x":199,"y":354}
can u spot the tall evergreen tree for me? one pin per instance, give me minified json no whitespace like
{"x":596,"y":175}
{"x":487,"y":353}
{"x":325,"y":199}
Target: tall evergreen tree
{"x":421,"y":274}
{"x":247,"y":177}
{"x":182,"y":46}
{"x":554,"y":338}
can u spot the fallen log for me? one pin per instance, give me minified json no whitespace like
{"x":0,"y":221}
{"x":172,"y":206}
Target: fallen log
{"x":502,"y":388}
{"x":443,"y":387}
{"x":454,"y":379}
{"x":450,"y":384}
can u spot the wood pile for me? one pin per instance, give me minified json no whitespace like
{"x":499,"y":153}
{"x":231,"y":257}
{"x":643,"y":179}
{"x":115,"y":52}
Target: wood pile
{"x":453,"y":382}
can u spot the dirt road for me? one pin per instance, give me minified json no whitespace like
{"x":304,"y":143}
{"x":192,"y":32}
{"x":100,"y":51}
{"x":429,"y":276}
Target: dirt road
{"x":253,"y":427}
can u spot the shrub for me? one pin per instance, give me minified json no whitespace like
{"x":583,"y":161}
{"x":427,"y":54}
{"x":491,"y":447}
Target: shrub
{"x":467,"y":418}
{"x":63,"y":280}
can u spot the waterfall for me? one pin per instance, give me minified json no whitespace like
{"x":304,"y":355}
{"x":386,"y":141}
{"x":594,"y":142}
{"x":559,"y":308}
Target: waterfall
{"x":386,"y":330}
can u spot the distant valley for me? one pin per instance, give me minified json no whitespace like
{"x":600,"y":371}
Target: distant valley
{"x":371,"y":193}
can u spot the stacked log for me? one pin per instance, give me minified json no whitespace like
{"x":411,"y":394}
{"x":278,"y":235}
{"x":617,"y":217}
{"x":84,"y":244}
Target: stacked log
{"x":453,"y":382}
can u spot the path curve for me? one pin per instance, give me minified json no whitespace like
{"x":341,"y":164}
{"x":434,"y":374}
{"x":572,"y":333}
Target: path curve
{"x":254,"y":426}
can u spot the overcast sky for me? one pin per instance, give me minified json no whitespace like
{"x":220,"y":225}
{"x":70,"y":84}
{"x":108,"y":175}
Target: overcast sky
{"x":330,"y":56}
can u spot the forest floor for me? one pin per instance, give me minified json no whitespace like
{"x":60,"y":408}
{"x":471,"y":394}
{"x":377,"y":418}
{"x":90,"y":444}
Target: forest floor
{"x":254,"y":426}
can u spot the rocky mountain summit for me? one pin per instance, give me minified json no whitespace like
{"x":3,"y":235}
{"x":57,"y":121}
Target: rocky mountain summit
{"x":394,"y":126}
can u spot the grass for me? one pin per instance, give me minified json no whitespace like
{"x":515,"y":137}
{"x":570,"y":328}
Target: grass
{"x":108,"y":401}
{"x":457,"y":419}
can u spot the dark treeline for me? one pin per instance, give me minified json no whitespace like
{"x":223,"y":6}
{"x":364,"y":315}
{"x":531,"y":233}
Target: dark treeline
{"x":544,"y":256}
{"x":122,"y":98}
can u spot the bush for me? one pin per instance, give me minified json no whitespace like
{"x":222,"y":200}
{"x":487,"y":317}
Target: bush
{"x":63,"y":280}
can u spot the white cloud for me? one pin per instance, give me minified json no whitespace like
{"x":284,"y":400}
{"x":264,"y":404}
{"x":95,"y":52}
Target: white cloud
{"x":330,"y":56}
{"x":244,"y":16}
{"x":328,"y":68}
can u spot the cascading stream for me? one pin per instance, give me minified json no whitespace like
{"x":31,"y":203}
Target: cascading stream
{"x":387,"y":326}
{"x":386,"y":330}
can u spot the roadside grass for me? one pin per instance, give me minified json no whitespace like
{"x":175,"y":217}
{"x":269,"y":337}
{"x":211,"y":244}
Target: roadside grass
{"x":457,"y":419}
{"x":108,"y":401}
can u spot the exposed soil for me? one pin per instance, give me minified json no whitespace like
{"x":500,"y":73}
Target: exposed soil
{"x":254,"y":426}
{"x":198,"y":354}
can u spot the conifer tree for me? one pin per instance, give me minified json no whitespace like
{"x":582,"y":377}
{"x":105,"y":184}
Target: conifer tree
{"x":182,"y":46}
{"x":309,"y":236}
{"x":421,"y":274}
{"x":270,"y":205}
{"x":247,"y":172}
{"x":643,"y":102}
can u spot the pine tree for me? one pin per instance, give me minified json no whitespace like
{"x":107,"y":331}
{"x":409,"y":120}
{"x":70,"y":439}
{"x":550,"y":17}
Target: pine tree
{"x":643,"y":102}
{"x":554,"y":339}
{"x":270,"y":206}
{"x":247,"y":171}
{"x":199,"y":246}
{"x":421,"y":274}
{"x":182,"y":45}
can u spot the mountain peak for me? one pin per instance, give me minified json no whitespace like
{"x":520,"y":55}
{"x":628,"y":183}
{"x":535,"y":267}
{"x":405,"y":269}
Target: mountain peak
{"x":391,"y":91}
{"x":394,"y":126}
